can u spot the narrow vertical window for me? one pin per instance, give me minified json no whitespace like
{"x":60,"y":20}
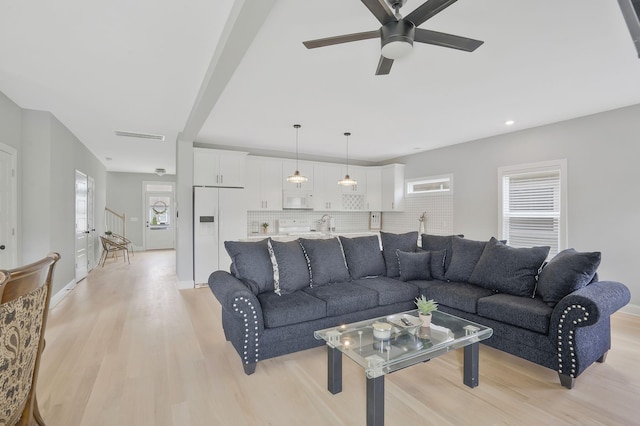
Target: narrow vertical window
{"x":533,"y":211}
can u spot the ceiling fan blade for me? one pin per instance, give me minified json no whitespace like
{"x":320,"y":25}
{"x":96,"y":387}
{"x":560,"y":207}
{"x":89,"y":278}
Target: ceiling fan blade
{"x":427,"y":10}
{"x":446,"y":40}
{"x":384,"y":66}
{"x":380,"y":10}
{"x":347,"y":38}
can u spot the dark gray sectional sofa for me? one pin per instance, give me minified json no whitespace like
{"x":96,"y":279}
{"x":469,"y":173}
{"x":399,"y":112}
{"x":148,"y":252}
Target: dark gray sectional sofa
{"x":555,"y":314}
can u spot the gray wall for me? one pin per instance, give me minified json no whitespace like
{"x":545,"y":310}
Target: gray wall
{"x":602,"y":153}
{"x":126,"y":195}
{"x":48,"y":155}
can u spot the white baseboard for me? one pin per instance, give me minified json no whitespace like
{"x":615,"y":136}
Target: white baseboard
{"x":182,"y":285}
{"x":631,"y":309}
{"x":57,"y":298}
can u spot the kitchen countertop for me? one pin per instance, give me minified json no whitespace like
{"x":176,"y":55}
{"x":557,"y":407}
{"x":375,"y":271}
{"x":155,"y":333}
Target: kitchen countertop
{"x":311,"y":234}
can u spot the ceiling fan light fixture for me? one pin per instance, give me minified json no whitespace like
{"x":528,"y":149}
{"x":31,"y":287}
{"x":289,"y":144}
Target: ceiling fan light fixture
{"x":296,"y":177}
{"x":397,"y":39}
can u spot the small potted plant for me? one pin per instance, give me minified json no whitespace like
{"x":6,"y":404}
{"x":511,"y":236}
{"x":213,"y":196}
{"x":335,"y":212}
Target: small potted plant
{"x":265,"y":228}
{"x":425,"y":307}
{"x":108,"y":234}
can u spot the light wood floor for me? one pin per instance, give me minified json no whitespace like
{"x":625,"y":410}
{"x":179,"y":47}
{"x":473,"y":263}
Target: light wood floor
{"x":125,"y":347}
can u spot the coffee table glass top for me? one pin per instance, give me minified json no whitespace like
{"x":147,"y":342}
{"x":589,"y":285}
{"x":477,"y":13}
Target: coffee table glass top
{"x":397,"y":344}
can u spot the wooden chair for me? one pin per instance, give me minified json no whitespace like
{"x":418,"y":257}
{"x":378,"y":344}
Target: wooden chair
{"x":111,"y":246}
{"x":25,"y":294}
{"x":122,"y":240}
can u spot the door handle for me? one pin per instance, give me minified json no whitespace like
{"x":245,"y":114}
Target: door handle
{"x":87,"y":232}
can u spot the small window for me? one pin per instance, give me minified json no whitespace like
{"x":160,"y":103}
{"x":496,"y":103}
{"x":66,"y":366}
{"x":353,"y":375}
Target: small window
{"x":430,"y":185}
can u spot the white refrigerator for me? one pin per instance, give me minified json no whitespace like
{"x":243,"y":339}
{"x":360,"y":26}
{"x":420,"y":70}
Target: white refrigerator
{"x":219,"y":215}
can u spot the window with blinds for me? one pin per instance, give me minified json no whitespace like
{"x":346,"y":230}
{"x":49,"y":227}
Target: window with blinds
{"x":532,"y":205}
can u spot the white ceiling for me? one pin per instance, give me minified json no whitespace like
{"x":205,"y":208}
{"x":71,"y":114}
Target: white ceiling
{"x":140,"y":66}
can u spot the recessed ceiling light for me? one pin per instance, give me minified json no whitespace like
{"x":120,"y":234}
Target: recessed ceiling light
{"x":108,"y":158}
{"x":509,"y":122}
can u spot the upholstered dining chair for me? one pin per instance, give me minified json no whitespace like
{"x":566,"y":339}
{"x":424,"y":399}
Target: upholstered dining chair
{"x":25,"y":294}
{"x":111,"y":246}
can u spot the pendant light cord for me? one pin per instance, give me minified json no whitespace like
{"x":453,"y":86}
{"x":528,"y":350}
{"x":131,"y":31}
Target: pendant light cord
{"x":297,"y":127}
{"x":347,"y":134}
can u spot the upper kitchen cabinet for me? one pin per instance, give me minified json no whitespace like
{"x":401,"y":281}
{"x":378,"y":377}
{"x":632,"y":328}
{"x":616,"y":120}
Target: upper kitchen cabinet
{"x":213,"y":167}
{"x":304,"y":167}
{"x":373,"y":198}
{"x":327,"y":193}
{"x":264,"y":183}
{"x":393,"y":187}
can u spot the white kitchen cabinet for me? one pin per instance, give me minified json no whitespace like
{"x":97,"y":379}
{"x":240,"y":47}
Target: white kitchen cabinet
{"x":373,"y":197}
{"x":359,"y":174}
{"x":327,"y":194}
{"x":305,"y":168}
{"x":214,"y":167}
{"x":393,"y":188}
{"x":264,"y":183}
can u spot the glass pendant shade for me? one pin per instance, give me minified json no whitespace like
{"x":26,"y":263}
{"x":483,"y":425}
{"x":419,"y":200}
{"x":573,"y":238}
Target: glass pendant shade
{"x":296,"y":177}
{"x":347,"y":181}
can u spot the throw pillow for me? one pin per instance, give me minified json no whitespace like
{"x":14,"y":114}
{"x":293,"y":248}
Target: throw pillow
{"x":326,"y":261}
{"x":508,"y":269}
{"x":414,"y":265}
{"x":438,"y":259}
{"x":464,"y":257}
{"x":252,"y":264}
{"x":567,"y":272}
{"x":364,"y":258}
{"x":437,"y":243}
{"x":391,"y":243}
{"x":290,"y":272}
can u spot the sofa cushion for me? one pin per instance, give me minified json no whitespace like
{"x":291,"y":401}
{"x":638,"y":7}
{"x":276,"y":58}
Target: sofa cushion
{"x":457,"y":295}
{"x":344,"y":298}
{"x":290,"y":268}
{"x":391,"y":243}
{"x":437,"y":243}
{"x":252,"y":264}
{"x":525,"y":312}
{"x":290,"y":308}
{"x":567,"y":272}
{"x":508,"y":269}
{"x":464,"y":257}
{"x":326,"y":261}
{"x":389,"y":290}
{"x":414,"y":266}
{"x":364,"y":257}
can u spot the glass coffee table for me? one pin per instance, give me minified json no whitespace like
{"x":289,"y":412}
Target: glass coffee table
{"x":387,"y":344}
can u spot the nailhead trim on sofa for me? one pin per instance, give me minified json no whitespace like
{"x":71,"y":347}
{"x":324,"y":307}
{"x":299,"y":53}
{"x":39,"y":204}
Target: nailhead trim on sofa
{"x":247,"y":335}
{"x":571,"y":349}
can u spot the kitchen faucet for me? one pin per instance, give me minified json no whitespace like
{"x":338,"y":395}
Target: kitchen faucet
{"x":328,"y":223}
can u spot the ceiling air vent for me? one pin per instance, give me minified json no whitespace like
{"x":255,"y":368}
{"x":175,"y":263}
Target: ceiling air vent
{"x":139,"y":135}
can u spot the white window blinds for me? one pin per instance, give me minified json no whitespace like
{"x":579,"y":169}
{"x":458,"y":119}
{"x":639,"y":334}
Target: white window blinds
{"x":532,"y":213}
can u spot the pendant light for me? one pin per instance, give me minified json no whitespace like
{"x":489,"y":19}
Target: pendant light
{"x":347,"y":181}
{"x":296,"y":177}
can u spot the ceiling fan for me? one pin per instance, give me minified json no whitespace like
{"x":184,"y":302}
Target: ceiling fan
{"x":398,"y":33}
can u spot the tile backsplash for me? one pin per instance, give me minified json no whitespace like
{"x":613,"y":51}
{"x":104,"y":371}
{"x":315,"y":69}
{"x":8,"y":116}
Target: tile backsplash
{"x":345,"y":221}
{"x":439,"y":209}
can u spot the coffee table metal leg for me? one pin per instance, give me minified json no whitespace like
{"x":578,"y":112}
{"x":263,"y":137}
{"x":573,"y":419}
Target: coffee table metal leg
{"x":375,"y":401}
{"x":334,"y":378}
{"x":471,"y":364}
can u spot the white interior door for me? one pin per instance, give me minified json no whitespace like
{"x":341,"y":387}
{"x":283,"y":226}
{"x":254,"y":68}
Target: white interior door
{"x":82,"y":226}
{"x":8,"y":208}
{"x":159,"y":212}
{"x":92,"y":239}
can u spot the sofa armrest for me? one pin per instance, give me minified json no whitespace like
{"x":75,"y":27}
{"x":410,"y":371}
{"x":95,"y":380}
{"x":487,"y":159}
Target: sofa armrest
{"x":580,"y":324}
{"x":241,"y":316}
{"x":595,"y":301}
